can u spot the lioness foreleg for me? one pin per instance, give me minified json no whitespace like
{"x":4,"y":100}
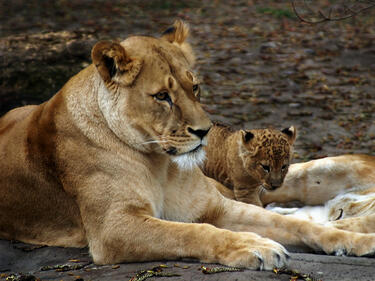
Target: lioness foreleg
{"x":130,"y":227}
{"x":143,"y":237}
{"x":287,"y":230}
{"x":365,"y":224}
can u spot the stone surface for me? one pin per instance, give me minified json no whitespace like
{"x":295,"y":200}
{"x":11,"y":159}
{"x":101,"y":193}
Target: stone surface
{"x":18,"y":257}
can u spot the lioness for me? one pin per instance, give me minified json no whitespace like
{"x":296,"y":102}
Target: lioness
{"x":248,"y":162}
{"x":339,"y":191}
{"x":110,"y":162}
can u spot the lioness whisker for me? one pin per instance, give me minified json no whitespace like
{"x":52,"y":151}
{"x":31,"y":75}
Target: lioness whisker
{"x":153,"y":141}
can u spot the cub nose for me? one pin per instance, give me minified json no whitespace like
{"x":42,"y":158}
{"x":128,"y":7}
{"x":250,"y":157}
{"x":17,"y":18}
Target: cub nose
{"x":275,"y":185}
{"x":199,"y":133}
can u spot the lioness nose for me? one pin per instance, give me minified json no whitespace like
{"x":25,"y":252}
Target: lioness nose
{"x":200,"y":133}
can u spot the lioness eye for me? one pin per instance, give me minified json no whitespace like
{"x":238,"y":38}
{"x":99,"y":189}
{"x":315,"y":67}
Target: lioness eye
{"x":266,"y":168}
{"x":162,"y":96}
{"x":195,"y":88}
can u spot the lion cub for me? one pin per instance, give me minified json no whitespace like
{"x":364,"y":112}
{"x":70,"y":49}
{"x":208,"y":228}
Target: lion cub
{"x":248,"y":162}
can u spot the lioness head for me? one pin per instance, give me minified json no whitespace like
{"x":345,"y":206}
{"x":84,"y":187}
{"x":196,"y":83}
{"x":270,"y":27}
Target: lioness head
{"x":266,"y":155}
{"x":150,"y":96}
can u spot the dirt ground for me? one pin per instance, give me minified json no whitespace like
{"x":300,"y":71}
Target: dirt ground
{"x":259,"y":67}
{"x":258,"y":64}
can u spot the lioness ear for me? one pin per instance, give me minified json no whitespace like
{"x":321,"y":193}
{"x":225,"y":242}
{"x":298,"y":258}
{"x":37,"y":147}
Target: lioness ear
{"x":177,"y":34}
{"x":111,"y":60}
{"x":291,"y":133}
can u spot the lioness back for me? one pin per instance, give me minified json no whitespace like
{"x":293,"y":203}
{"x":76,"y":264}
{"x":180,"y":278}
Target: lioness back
{"x":247,"y":162}
{"x":41,"y":211}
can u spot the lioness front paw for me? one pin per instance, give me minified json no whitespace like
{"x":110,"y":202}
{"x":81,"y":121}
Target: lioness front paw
{"x":349,"y":243}
{"x":254,"y":253}
{"x":364,"y":245}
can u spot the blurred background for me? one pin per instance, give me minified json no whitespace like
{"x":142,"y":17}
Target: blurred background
{"x":260,"y":65}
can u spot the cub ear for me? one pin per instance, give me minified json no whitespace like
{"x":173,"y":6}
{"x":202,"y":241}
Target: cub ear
{"x":247,"y":150}
{"x":177,"y":34}
{"x":110,"y":59}
{"x":247,"y":136}
{"x":291,"y":133}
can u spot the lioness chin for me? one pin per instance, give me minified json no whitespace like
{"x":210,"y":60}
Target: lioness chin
{"x":93,"y":166}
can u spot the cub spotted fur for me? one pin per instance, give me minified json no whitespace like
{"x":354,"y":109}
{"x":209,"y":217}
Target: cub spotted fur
{"x":248,"y":162}
{"x":109,"y":162}
{"x":340,"y":191}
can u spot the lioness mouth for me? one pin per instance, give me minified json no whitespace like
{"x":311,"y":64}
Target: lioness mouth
{"x":173,"y":150}
{"x":195,"y":149}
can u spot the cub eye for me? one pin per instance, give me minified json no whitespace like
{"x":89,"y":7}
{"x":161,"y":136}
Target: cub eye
{"x":162,"y":96}
{"x":266,"y":168}
{"x":283,"y":167}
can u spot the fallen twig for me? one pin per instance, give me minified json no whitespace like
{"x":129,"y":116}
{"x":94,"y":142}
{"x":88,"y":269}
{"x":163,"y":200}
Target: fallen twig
{"x":218,"y":269}
{"x":64,"y":267}
{"x":21,"y":277}
{"x":156,"y":271}
{"x":295,"y":274}
{"x":324,"y":17}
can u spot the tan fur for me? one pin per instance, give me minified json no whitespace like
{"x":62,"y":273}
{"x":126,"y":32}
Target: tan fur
{"x":343,"y":186}
{"x":238,"y":160}
{"x":99,"y":165}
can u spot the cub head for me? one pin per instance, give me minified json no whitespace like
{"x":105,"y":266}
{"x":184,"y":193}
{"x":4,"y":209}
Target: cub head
{"x":266,"y":155}
{"x":149,"y":95}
